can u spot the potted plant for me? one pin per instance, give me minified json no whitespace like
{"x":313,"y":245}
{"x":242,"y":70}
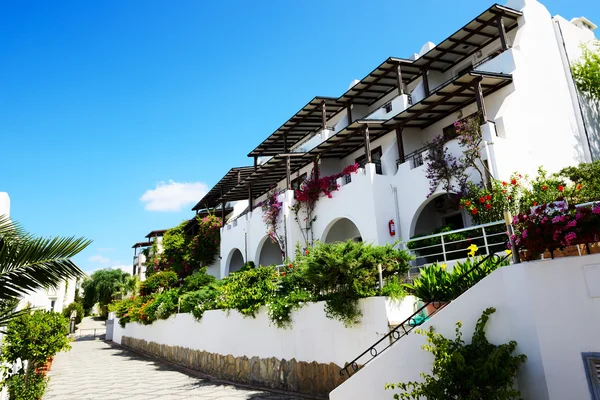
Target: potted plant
{"x":432,"y":287}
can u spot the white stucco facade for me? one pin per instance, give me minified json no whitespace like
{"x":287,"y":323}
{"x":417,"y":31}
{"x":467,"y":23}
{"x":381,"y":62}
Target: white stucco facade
{"x":539,"y":119}
{"x":313,"y":336}
{"x":550,"y":308}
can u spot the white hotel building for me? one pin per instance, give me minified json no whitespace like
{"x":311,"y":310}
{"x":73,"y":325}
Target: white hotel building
{"x":510,"y":63}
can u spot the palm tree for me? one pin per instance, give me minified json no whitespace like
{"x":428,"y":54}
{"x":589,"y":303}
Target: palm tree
{"x":28,"y":263}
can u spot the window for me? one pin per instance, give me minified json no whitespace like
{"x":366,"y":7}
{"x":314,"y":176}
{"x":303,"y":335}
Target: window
{"x":591,"y":363}
{"x":296,"y":183}
{"x":450,"y":133}
{"x":52,"y":303}
{"x":387,"y":107}
{"x":375,"y":158}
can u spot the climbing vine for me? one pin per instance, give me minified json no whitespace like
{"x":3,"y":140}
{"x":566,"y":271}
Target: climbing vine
{"x":449,"y":172}
{"x":271,"y":209}
{"x":309,"y":193}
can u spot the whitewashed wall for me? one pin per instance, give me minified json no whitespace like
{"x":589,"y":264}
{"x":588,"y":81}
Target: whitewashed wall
{"x":551,"y":308}
{"x":533,"y":121}
{"x":313,"y":337}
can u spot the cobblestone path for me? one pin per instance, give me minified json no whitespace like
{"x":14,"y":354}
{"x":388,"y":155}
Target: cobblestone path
{"x":93,"y":370}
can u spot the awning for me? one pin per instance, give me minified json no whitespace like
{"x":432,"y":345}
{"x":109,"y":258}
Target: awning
{"x":156,"y":233}
{"x":472,"y":37}
{"x":350,"y":139}
{"x":452,"y":96}
{"x":381,"y":81}
{"x":268,"y":175}
{"x":306,"y":121}
{"x":228,"y":182}
{"x":141,"y":244}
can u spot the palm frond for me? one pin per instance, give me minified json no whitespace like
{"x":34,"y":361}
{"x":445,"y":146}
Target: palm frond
{"x":28,"y":263}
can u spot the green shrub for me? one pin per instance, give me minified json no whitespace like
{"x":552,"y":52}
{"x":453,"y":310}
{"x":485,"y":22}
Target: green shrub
{"x":292,"y":293}
{"x":343,"y":273}
{"x":35,"y":337}
{"x":75,"y":306}
{"x":165,"y":304}
{"x":196,"y":281}
{"x":394,"y":288}
{"x":160,"y":281}
{"x":201,"y":300}
{"x":246,"y":291}
{"x":26,"y":387}
{"x":475,"y":371}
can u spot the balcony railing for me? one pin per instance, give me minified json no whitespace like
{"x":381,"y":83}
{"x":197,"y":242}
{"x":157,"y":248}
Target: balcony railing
{"x":453,"y":245}
{"x":416,"y":158}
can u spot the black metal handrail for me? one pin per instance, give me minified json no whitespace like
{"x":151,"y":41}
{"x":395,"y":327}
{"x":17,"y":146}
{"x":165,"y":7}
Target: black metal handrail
{"x":408,"y":324}
{"x":416,"y":156}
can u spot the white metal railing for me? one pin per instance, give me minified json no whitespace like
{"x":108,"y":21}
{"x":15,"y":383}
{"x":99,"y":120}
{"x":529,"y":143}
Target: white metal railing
{"x":489,"y":238}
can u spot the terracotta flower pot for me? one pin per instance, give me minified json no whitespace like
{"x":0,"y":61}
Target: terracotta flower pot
{"x":435,"y":306}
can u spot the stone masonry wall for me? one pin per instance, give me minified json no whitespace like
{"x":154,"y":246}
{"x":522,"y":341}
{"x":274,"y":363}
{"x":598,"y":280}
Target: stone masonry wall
{"x":298,"y":376}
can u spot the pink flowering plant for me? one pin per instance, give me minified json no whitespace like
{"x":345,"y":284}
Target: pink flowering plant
{"x":309,"y":193}
{"x":556,"y":225}
{"x":271,"y":209}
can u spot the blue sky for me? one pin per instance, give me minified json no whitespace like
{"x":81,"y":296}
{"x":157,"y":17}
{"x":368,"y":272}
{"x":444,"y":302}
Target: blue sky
{"x":104,"y":102}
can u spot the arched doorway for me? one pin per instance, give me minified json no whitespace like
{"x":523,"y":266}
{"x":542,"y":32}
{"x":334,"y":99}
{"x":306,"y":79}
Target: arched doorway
{"x":236,"y":261}
{"x":269,"y":253}
{"x":342,"y":230}
{"x":438,"y":211}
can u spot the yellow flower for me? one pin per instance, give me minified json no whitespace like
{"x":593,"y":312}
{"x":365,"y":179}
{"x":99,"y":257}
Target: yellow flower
{"x":508,"y":252}
{"x":443,"y":266}
{"x":473,"y":249}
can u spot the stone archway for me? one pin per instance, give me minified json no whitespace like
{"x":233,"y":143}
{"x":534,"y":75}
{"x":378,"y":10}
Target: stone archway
{"x":269,"y":253}
{"x":235,"y":261}
{"x":341,"y":230}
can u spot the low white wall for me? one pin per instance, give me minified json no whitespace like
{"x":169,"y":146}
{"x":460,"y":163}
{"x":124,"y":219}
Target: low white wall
{"x":313,"y":337}
{"x":546,"y":306}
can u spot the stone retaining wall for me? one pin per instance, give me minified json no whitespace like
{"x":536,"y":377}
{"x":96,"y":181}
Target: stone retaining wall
{"x":298,"y":376}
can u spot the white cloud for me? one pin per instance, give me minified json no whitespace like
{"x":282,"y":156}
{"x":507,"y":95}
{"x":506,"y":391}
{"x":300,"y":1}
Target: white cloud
{"x":173,"y":196}
{"x":99,"y":259}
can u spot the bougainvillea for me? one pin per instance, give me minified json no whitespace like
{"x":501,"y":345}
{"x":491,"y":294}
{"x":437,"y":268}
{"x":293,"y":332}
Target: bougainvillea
{"x":185,"y":254}
{"x":271,"y":209}
{"x":204,"y":247}
{"x":443,"y":169}
{"x":307,"y":196}
{"x":449,"y":172}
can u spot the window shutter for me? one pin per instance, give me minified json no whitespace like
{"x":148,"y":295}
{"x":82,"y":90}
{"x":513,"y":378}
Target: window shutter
{"x":591,"y":363}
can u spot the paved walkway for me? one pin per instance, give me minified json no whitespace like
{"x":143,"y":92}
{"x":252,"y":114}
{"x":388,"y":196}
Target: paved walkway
{"x":93,"y":370}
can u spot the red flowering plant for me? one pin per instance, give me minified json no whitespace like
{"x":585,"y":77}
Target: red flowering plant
{"x":547,"y":189}
{"x":271,"y":209}
{"x":307,"y":196}
{"x":556,"y":225}
{"x":487,"y":204}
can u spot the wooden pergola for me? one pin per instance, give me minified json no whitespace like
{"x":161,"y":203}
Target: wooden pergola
{"x":309,"y":120}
